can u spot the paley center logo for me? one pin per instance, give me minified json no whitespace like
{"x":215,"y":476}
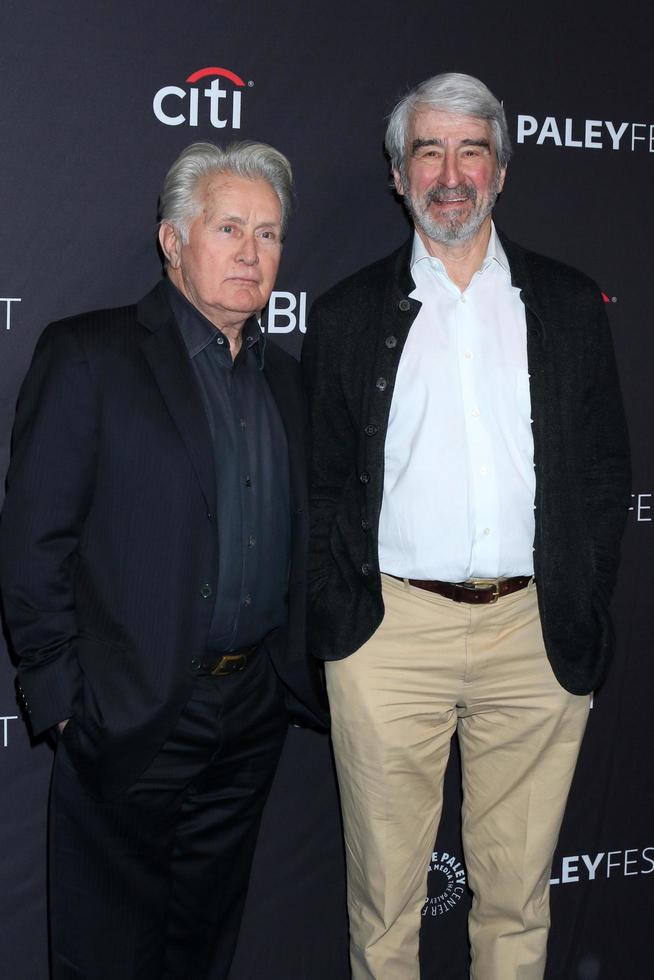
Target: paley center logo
{"x":218,"y":101}
{"x":575,"y":868}
{"x":446,"y":884}
{"x":588,"y":134}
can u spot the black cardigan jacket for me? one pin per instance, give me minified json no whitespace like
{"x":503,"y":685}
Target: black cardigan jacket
{"x":355,"y":338}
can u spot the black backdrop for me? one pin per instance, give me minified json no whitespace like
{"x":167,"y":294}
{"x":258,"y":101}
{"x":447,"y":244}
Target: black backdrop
{"x":82,"y":156}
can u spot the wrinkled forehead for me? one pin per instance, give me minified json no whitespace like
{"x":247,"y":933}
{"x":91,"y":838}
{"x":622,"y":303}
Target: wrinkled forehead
{"x":447,"y":129}
{"x":226,"y":191}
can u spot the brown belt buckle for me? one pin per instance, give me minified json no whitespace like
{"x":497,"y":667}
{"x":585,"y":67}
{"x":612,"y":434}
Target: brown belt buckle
{"x":487,"y":583}
{"x":230,"y":663}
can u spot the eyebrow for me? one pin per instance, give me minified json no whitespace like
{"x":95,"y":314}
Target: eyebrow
{"x":234,"y":219}
{"x":435,"y":141}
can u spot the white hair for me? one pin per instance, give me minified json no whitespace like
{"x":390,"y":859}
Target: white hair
{"x":179,"y":203}
{"x":461,"y":95}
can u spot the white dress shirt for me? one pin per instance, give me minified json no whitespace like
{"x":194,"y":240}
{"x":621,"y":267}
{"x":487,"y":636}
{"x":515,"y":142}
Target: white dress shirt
{"x":458,"y":499}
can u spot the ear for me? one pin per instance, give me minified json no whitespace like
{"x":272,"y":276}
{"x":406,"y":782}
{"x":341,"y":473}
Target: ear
{"x":501,"y":180}
{"x":171,"y":244}
{"x":397,"y":180}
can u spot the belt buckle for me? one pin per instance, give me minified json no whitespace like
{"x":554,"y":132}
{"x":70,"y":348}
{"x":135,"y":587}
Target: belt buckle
{"x":230,"y":663}
{"x":487,"y":583}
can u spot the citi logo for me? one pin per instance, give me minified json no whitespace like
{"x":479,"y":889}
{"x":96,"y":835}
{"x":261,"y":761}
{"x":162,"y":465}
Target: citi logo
{"x":217,"y":101}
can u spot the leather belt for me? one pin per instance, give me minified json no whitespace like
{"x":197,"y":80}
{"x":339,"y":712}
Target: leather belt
{"x":220,"y":664}
{"x":476,"y":590}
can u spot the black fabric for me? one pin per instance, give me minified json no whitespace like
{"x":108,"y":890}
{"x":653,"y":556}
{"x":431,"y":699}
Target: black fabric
{"x":252,"y":487}
{"x":107,"y":565}
{"x":151,"y":884}
{"x":580,"y":451}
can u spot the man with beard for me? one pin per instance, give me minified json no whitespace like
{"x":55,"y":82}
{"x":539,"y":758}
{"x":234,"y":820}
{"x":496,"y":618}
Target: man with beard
{"x":470,"y":481}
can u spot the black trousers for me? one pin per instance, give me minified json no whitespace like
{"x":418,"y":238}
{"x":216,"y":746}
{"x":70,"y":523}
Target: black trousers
{"x":151,"y":885}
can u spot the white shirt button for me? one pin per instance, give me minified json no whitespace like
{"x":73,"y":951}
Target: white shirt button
{"x":487,"y":530}
{"x":483,"y":470}
{"x":467,"y":355}
{"x":476,"y":413}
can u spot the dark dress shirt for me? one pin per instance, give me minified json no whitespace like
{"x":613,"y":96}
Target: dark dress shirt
{"x":252,"y":479}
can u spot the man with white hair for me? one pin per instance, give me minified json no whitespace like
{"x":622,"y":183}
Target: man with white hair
{"x":153,"y":565}
{"x":470,"y":481}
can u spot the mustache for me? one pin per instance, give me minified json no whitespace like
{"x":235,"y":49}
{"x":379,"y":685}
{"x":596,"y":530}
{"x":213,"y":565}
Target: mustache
{"x":441,"y":195}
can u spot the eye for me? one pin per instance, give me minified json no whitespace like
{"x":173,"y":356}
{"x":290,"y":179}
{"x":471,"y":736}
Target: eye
{"x":228,"y":229}
{"x":268,"y":235}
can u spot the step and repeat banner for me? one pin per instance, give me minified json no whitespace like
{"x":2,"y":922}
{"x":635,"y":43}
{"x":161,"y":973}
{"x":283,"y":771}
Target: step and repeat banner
{"x":97,"y":100}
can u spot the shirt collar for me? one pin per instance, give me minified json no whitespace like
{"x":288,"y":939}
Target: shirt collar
{"x":494,"y":254}
{"x":198,"y":332}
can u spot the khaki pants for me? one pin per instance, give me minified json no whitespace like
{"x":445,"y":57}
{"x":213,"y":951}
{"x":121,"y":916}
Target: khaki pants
{"x":434,"y":667}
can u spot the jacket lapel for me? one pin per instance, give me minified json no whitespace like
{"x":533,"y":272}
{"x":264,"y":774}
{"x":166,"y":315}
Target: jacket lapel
{"x":171,"y":366}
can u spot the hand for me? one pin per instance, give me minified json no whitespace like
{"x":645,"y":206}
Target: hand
{"x":61,"y":725}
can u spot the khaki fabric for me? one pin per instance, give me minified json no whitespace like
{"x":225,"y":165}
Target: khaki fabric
{"x":435,"y":667}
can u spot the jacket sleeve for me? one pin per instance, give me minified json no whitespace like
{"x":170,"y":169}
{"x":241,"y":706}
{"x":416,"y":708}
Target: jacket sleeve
{"x":333,"y":444}
{"x":606,"y":461}
{"x":49,"y":488}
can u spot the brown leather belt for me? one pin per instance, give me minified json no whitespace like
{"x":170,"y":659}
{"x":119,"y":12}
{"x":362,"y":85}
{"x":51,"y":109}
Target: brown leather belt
{"x":225,"y":663}
{"x":478,"y":590}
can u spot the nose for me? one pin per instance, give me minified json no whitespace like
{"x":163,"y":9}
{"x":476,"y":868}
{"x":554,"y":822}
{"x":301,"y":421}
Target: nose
{"x":247,"y":252}
{"x":450,"y":174}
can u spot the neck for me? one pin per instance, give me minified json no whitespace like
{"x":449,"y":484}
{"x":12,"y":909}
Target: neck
{"x":231,"y":327}
{"x":461,"y":259}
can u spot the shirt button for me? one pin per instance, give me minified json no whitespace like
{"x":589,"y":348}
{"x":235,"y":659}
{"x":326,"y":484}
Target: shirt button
{"x":252,"y":541}
{"x":404,"y":305}
{"x":476,"y":413}
{"x":220,"y":340}
{"x":371,"y":429}
{"x":391,"y":342}
{"x":244,"y":423}
{"x":467,"y":355}
{"x":380,"y":384}
{"x":463,"y":299}
{"x":247,"y":601}
{"x":196,"y":663}
{"x":205,"y":591}
{"x":364,"y":477}
{"x":248,"y":481}
{"x":487,"y":530}
{"x":483,"y":470}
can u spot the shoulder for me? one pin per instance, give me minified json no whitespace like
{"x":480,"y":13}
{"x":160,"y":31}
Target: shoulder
{"x":549,"y":277}
{"x":91,"y":332}
{"x":363,"y":288}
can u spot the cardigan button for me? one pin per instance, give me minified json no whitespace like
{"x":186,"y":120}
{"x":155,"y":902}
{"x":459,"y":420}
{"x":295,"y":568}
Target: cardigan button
{"x":364,"y":477}
{"x":391,"y":342}
{"x":404,"y":305}
{"x":371,"y":429}
{"x":380,"y":384}
{"x":365,"y":568}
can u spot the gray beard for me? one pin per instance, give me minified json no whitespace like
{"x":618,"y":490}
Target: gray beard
{"x":450,"y":228}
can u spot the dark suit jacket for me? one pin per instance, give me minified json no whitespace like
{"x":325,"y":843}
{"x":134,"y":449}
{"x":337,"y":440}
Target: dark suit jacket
{"x":108,"y":536}
{"x":350,"y":356}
